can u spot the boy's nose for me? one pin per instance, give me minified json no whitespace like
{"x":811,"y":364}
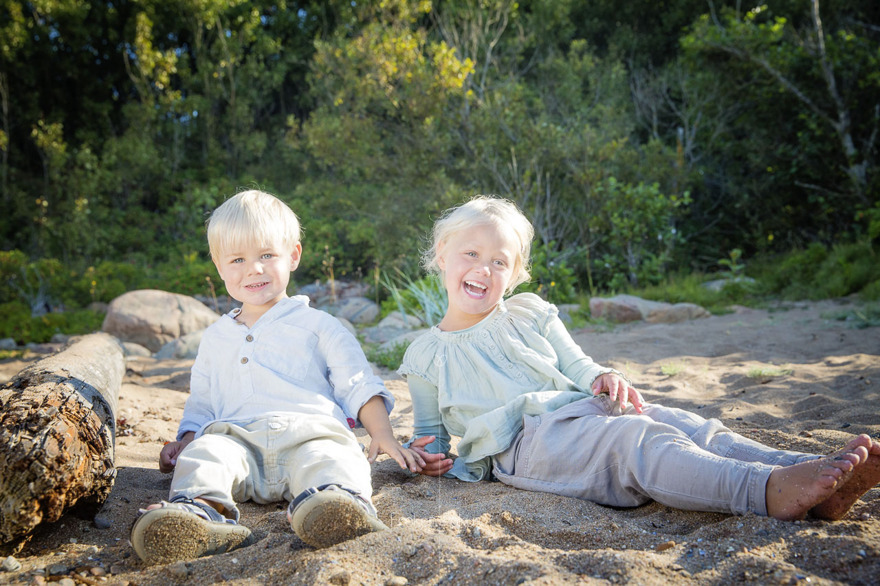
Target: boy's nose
{"x":257,"y":268}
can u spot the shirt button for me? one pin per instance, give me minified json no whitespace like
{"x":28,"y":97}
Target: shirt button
{"x":249,"y":338}
{"x":244,"y":360}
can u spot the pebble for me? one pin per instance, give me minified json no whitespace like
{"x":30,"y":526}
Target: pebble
{"x":342,"y":578}
{"x":664,"y":546}
{"x":38,"y":581}
{"x":396,"y":581}
{"x":10,"y":564}
{"x":66,"y":582}
{"x":178,"y":570}
{"x":98,"y":572}
{"x":57,"y":569}
{"x":102,"y":522}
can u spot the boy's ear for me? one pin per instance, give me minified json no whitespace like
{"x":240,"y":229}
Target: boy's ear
{"x":295,"y":256}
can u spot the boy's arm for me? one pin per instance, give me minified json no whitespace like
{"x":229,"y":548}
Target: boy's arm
{"x":374,"y":417}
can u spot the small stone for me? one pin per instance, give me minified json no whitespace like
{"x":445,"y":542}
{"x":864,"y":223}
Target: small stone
{"x":10,"y":564}
{"x":396,"y":581}
{"x":66,"y":582}
{"x":477,"y":533}
{"x":57,"y":569}
{"x":178,"y":570}
{"x":102,"y":522}
{"x":342,"y":578}
{"x":664,"y":546}
{"x":38,"y":581}
{"x":97,"y":571}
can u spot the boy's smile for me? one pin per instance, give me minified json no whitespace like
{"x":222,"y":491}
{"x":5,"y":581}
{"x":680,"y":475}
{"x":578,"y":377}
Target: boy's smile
{"x":258,"y":276}
{"x":477,"y":266}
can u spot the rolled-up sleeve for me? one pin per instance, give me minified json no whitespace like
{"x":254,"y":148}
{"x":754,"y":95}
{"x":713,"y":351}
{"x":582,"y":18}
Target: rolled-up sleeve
{"x":351,"y":375}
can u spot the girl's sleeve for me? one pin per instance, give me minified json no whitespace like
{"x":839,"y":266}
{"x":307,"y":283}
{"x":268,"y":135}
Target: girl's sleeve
{"x":573,"y":362}
{"x":426,"y":414}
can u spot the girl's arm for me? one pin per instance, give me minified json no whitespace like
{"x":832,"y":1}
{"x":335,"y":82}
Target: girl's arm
{"x":430,"y":438}
{"x":581,"y":369}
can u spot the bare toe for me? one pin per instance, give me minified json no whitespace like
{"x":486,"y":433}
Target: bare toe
{"x":850,"y":488}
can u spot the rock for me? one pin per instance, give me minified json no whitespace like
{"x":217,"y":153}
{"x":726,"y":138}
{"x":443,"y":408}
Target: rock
{"x":396,"y":581}
{"x":132,"y":349}
{"x":8,"y":344}
{"x":395,"y":319}
{"x":404,"y":338}
{"x":102,"y":522}
{"x":627,"y":308}
{"x":357,"y":310}
{"x":10,"y":564}
{"x":59,"y":338}
{"x":183,"y":347}
{"x":340,"y":578}
{"x":566,"y":310}
{"x":153,"y":318}
{"x":178,"y":570}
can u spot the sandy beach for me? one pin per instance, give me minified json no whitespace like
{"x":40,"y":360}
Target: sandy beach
{"x":792,"y":377}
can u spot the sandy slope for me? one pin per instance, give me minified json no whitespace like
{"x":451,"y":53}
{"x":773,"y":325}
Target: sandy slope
{"x":789,"y":378}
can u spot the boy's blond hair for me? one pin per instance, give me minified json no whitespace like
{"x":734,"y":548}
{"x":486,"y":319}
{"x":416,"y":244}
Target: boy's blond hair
{"x":251,"y":218}
{"x":481,"y":210}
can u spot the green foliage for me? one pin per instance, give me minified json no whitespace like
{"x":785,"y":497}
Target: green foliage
{"x":552,"y":279}
{"x":820,"y":273}
{"x":21,"y":326}
{"x":862,"y":317}
{"x":391,"y":358}
{"x":424,"y":298}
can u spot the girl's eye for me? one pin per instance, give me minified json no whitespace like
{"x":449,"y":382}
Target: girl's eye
{"x":500,"y":263}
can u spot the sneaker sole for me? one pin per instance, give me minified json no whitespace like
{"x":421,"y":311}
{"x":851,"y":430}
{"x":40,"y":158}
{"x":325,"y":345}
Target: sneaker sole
{"x":162,"y":536}
{"x":331,"y":517}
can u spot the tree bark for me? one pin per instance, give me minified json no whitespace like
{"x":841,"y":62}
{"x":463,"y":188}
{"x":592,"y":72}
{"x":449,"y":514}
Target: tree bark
{"x":57,"y":434}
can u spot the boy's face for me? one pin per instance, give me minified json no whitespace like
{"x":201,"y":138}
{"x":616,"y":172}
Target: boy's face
{"x":477,"y":264}
{"x":258,"y":276}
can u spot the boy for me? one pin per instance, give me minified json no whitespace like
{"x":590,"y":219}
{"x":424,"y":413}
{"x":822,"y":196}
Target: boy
{"x":275,"y":390}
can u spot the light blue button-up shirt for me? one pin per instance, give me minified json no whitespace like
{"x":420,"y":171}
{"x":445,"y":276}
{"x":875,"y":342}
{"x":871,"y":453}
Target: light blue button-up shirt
{"x":294,"y":360}
{"x":478,"y":383}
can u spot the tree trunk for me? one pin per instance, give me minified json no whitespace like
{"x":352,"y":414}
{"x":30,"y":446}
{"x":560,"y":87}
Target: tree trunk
{"x":57,"y":434}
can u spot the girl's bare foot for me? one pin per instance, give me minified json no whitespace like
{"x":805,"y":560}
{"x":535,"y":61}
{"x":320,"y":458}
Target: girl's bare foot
{"x":863,"y":478}
{"x":793,"y":490}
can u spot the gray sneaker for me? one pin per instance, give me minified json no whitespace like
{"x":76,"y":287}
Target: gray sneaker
{"x":184,"y":530}
{"x":330,"y":514}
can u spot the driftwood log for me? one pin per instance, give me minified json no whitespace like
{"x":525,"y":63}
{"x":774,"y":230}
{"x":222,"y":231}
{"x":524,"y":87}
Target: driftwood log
{"x":57,"y":434}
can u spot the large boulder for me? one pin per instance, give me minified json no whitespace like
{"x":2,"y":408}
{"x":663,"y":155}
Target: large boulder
{"x":627,"y":308}
{"x":153,"y":318}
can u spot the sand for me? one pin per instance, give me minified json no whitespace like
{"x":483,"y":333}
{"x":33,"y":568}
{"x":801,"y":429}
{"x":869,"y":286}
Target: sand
{"x":791,"y":377}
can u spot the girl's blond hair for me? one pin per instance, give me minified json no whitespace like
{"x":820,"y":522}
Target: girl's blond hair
{"x":251,"y":218}
{"x":481,"y":210}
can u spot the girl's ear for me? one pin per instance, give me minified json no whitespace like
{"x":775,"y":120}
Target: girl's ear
{"x":441,"y":262}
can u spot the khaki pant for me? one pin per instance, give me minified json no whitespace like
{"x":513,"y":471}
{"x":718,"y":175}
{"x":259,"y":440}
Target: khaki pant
{"x":269,"y":460}
{"x":590,"y":451}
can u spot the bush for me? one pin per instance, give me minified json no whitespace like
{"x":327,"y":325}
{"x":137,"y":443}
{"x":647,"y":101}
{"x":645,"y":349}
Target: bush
{"x":19,"y":325}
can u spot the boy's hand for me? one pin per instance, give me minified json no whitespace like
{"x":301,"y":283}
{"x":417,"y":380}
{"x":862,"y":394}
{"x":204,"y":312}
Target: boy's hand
{"x":170,"y":451}
{"x":618,"y":390}
{"x":385,"y":443}
{"x":434,"y":464}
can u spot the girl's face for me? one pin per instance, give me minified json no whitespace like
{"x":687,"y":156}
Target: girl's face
{"x":477,"y":264}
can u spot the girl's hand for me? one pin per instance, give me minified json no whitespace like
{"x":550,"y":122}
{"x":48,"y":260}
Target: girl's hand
{"x":618,"y":390}
{"x":434,"y":464}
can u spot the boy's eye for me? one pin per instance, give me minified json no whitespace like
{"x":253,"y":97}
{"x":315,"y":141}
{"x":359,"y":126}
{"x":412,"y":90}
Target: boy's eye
{"x":473,"y":254}
{"x":500,"y":263}
{"x":267,"y":255}
{"x":237,"y":260}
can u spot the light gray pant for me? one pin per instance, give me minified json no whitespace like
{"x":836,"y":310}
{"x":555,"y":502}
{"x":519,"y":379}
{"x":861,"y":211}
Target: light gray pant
{"x":269,"y":460}
{"x":590,"y":451}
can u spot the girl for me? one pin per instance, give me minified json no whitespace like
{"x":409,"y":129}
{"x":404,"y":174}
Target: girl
{"x":536,"y":413}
